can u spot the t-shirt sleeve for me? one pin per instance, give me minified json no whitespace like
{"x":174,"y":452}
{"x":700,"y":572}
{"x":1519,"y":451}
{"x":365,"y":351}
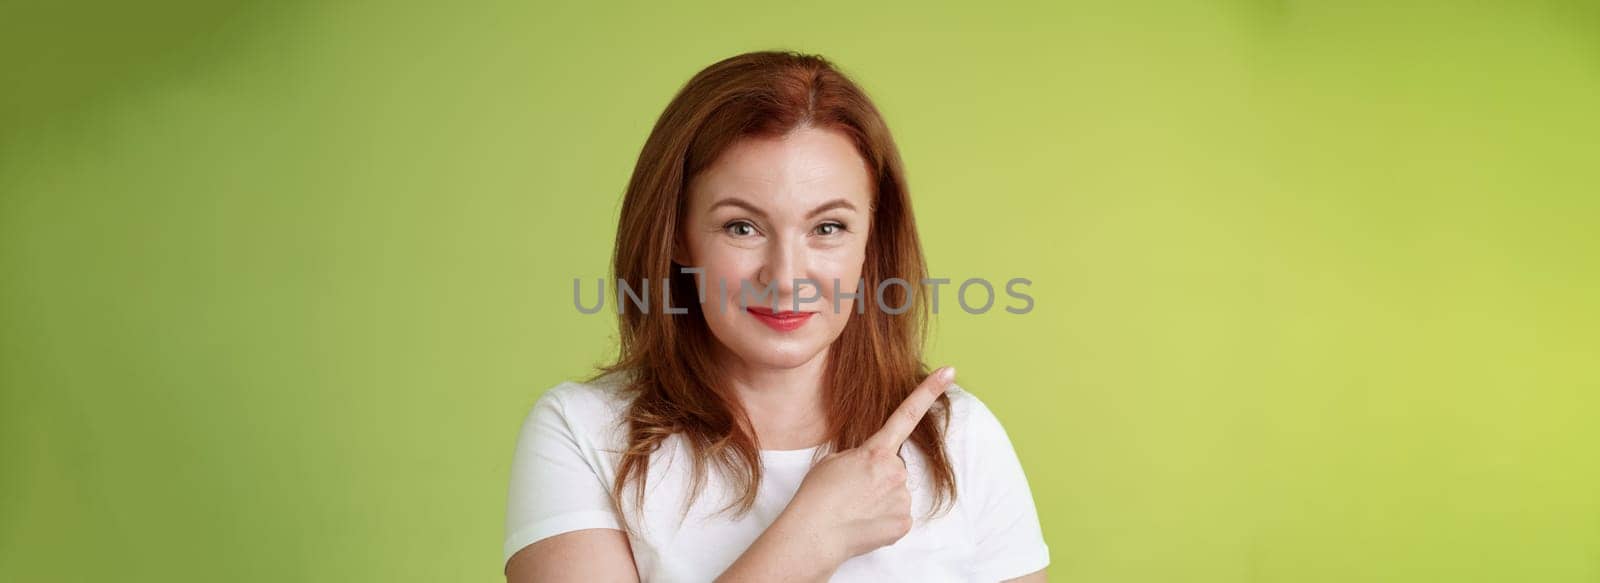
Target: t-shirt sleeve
{"x":1009,"y":541}
{"x":556,"y":486}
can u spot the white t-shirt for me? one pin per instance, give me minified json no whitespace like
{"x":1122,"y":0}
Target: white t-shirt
{"x":566,"y":459}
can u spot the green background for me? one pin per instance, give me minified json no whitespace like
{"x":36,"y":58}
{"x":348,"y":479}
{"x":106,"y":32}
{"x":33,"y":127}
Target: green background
{"x":1315,"y":282}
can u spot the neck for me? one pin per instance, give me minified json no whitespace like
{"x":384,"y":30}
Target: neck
{"x":784,"y":404}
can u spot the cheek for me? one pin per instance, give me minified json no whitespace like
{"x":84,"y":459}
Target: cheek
{"x":844,"y":267}
{"x":725,"y":270}
{"x":725,"y":264}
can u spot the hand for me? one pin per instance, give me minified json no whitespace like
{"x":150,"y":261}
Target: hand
{"x":855,"y":501}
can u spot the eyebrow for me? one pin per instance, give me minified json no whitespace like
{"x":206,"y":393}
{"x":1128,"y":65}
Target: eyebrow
{"x":744,"y":204}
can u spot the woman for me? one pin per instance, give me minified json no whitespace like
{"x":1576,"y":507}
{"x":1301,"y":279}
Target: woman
{"x":769,"y":417}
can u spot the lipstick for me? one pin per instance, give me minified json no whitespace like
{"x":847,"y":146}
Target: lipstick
{"x":780,"y":321}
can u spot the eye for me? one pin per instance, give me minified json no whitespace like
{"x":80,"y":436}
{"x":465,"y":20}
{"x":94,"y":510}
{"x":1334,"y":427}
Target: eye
{"x":739,"y":228}
{"x":830,"y":228}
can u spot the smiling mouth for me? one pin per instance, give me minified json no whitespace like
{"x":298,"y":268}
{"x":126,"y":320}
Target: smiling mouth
{"x":780,"y":321}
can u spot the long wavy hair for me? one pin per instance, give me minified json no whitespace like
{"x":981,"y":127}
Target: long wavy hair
{"x":675,"y":386}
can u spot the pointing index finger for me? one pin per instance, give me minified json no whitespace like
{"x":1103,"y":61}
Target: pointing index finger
{"x":910,"y":412}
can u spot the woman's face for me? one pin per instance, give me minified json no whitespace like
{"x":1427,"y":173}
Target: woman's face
{"x":769,"y":212}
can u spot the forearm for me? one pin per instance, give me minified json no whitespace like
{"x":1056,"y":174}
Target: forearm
{"x":787,"y":551}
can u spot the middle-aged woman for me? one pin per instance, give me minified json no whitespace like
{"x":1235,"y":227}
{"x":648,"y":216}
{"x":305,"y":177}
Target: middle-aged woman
{"x":797,"y":437}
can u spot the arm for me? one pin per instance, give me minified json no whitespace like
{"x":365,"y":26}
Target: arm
{"x":603,"y":554}
{"x":785,"y":551}
{"x":560,"y":523}
{"x":595,"y":554}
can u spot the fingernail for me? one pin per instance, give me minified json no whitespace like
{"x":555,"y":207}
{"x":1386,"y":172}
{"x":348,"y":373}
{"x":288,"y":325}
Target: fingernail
{"x":947,"y":374}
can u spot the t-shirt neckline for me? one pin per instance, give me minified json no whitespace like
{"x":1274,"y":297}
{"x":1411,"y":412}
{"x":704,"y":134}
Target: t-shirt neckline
{"x":789,"y":456}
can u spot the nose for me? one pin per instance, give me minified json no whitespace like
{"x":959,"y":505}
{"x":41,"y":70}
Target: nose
{"x":786,"y":262}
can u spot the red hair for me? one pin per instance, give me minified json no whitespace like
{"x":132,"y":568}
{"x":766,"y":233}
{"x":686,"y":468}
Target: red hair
{"x":676,"y":387}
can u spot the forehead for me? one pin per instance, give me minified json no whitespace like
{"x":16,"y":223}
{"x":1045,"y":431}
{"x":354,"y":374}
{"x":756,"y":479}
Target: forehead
{"x":805,"y":166}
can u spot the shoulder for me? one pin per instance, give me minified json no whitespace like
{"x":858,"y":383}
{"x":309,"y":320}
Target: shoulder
{"x":973,"y":428}
{"x":994,"y":496}
{"x":600,"y":397}
{"x":591,"y":410}
{"x":968,"y":412}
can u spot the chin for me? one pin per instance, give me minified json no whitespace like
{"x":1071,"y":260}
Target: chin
{"x":786,"y":358}
{"x":783,"y":354}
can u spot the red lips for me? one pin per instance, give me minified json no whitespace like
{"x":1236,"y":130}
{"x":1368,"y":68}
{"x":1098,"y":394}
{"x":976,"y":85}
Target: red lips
{"x":780,"y":321}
